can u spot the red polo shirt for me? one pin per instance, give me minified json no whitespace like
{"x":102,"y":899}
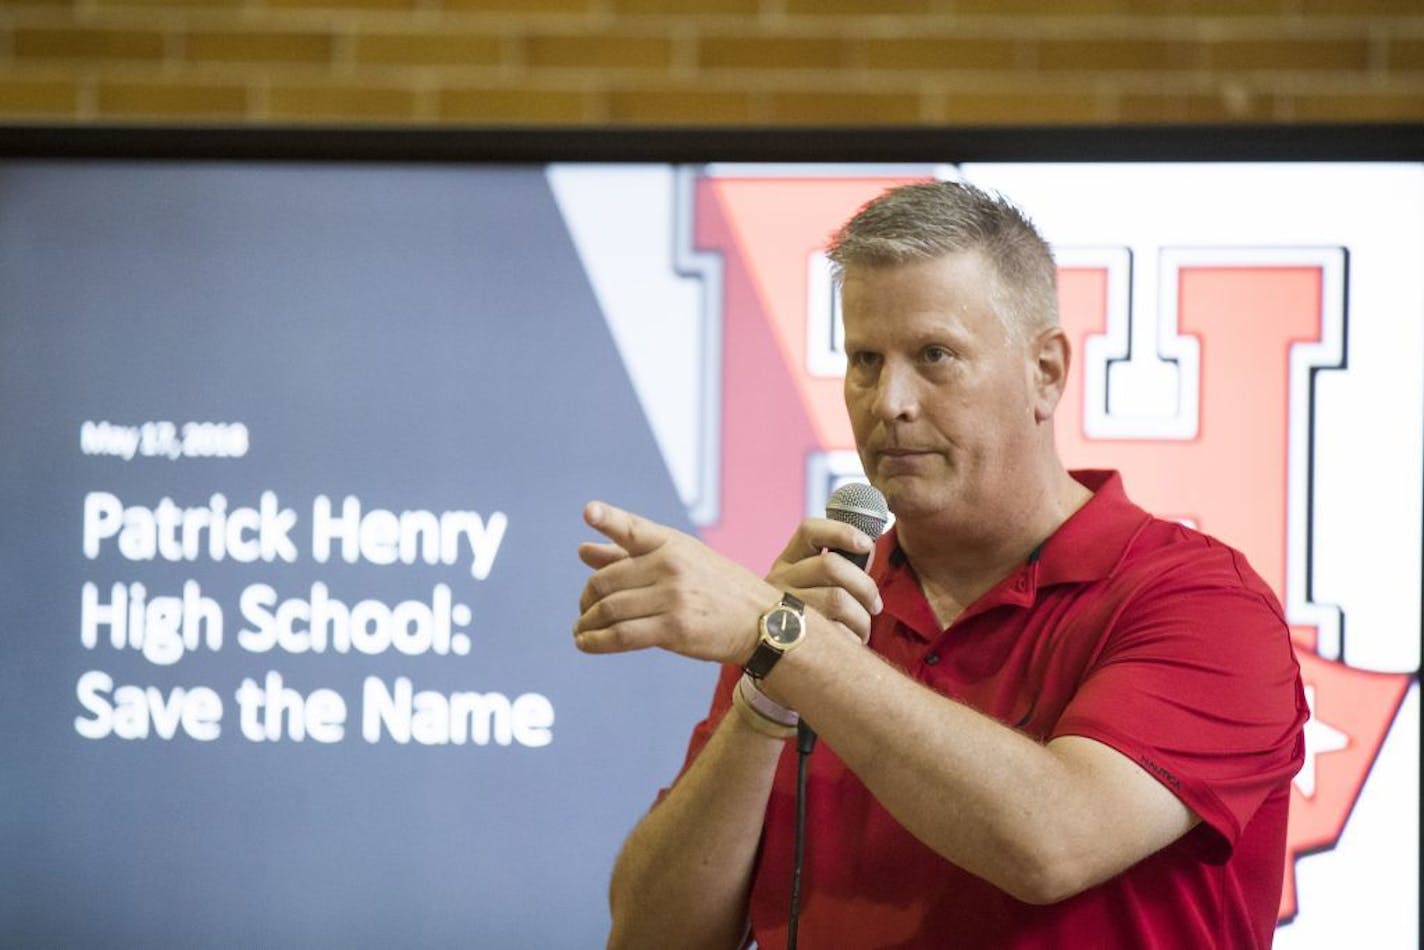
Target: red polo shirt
{"x":1140,"y":633}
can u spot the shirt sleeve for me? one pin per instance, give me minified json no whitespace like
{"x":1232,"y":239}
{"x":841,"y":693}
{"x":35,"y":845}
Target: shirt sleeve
{"x":1197,"y":682}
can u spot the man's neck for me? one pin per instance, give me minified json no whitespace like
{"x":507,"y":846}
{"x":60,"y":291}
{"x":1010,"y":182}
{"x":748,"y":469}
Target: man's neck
{"x":957,"y":565}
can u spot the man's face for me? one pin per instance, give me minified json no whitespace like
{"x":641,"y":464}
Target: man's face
{"x":941,"y":395}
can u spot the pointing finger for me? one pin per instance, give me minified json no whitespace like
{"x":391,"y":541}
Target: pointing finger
{"x":634,"y":533}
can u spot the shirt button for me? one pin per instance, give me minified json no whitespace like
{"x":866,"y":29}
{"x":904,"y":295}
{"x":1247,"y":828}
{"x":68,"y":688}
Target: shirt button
{"x":932,"y":659}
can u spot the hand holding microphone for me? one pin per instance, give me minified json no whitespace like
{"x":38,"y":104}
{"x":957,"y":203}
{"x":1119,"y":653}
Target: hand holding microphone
{"x":825,"y":561}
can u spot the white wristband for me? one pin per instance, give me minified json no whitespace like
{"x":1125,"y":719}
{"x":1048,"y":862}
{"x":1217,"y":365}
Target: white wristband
{"x":764,"y":706}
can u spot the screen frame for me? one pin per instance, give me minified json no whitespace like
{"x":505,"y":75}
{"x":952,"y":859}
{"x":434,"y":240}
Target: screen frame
{"x":680,"y":144}
{"x":1360,"y":142}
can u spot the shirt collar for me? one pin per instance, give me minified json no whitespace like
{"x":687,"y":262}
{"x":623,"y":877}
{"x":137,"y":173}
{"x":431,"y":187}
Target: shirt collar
{"x":1094,"y":539}
{"x":1085,"y":547}
{"x":900,"y":588}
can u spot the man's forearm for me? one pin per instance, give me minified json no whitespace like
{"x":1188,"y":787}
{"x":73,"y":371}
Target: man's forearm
{"x":683,"y":876}
{"x":1040,"y":822}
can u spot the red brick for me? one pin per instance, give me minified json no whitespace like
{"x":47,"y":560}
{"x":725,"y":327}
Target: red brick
{"x":859,"y":7}
{"x":755,"y":52}
{"x":1111,"y":55}
{"x":224,"y":47}
{"x":37,"y":97}
{"x":1038,"y":7}
{"x":342,"y":5}
{"x":679,"y":107}
{"x":937,"y":54}
{"x":290,"y":101}
{"x":1291,"y":54}
{"x":519,"y":6}
{"x":1196,"y":107}
{"x":1358,"y":8}
{"x":686,"y":8}
{"x":513,"y":106}
{"x":429,"y":49}
{"x":1010,"y":109}
{"x":1205,"y":8}
{"x":602,"y":52}
{"x":120,"y":5}
{"x":154,"y":99}
{"x":814,"y":108}
{"x":1368,"y":107}
{"x":87,"y":44}
{"x":1406,"y":54}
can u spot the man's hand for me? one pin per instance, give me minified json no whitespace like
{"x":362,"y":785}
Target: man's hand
{"x":654,"y":586}
{"x":836,"y":588}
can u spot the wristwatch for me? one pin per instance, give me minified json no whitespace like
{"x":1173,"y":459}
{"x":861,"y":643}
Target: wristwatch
{"x":782,"y":629}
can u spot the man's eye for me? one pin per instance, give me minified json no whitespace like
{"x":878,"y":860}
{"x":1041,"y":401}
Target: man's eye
{"x":860,"y":359}
{"x":936,"y":354}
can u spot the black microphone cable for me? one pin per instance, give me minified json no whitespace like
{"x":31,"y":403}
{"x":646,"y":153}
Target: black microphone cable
{"x":805,"y":742}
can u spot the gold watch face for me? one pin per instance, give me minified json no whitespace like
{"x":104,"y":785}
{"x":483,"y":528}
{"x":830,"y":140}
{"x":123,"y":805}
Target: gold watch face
{"x":783,"y":626}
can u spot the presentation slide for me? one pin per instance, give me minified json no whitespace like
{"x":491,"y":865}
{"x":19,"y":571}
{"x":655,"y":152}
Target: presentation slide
{"x":295,"y":458}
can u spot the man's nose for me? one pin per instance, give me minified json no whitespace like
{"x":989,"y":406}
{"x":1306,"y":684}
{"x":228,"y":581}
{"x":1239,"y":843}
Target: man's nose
{"x":896,"y":394}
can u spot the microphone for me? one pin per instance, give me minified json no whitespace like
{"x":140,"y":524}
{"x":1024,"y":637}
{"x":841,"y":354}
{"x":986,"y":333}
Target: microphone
{"x":863,"y":508}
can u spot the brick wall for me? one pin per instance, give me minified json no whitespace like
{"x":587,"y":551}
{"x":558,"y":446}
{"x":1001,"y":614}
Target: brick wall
{"x":570,"y":62}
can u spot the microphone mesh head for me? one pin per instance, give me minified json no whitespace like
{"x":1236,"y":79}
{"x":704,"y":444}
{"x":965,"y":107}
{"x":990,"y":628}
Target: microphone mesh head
{"x":860,"y":506}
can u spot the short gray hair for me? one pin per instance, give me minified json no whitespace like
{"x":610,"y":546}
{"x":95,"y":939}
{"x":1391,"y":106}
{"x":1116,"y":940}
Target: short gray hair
{"x":931,"y":219}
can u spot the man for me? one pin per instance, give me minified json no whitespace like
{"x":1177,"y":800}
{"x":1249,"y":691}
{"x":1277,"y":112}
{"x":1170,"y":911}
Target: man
{"x":1047,"y":718}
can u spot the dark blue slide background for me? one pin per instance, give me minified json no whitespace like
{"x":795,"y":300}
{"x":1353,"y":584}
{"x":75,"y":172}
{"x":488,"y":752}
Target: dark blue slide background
{"x":423,"y":338}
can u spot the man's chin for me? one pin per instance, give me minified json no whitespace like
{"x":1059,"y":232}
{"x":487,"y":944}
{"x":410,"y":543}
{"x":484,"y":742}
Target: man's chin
{"x":907,"y":499}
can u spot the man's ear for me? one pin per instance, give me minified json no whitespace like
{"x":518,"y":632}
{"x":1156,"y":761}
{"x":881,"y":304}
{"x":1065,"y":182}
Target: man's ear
{"x":1052,"y":357}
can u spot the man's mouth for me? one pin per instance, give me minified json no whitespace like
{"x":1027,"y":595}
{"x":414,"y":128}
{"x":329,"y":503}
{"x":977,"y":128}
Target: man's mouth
{"x":900,"y":459}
